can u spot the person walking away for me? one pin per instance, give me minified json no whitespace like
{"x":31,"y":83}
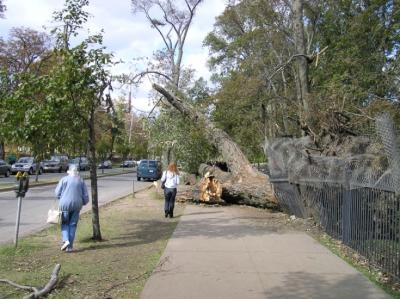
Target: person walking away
{"x":171,"y":179}
{"x":72,"y":193}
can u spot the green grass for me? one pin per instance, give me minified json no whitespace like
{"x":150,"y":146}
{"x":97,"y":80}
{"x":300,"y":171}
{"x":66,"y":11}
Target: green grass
{"x":134,"y":232}
{"x":24,"y":249}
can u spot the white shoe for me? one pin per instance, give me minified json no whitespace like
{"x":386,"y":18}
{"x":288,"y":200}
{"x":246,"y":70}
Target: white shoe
{"x":65,"y":245}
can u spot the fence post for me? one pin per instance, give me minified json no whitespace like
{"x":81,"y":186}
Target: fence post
{"x":346,"y":208}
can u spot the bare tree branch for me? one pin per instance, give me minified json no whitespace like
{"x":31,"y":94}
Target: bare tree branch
{"x":36,"y":292}
{"x":309,"y":58}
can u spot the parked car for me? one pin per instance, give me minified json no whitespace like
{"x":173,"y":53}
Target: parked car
{"x":57,"y":163}
{"x":105,"y":164}
{"x":82,"y":163}
{"x":11,"y":159}
{"x":149,"y":169}
{"x":5,"y":169}
{"x":26,"y":164}
{"x":128,"y":163}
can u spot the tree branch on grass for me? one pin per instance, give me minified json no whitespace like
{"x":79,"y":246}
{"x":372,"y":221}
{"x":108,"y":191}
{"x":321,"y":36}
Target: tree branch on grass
{"x":36,"y":292}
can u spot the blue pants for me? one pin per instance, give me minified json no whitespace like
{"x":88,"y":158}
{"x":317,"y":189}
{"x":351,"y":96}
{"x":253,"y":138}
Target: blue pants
{"x":169,"y":194}
{"x":69,"y":221}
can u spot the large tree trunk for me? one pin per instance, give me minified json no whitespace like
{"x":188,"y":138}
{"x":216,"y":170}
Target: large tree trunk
{"x":254,"y":192}
{"x":246,"y":181}
{"x":302,"y":63}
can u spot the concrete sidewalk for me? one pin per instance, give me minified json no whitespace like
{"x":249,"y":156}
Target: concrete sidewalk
{"x":223,"y":253}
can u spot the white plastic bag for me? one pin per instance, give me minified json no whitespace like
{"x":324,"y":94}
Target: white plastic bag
{"x":53,"y":216}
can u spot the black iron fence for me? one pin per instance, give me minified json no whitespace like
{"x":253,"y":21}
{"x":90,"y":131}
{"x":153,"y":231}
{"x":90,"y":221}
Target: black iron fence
{"x":364,"y":218}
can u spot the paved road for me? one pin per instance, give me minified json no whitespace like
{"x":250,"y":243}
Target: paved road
{"x":39,"y":199}
{"x":55,"y":175}
{"x":223,"y":253}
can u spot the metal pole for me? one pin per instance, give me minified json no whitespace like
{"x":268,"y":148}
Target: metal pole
{"x":17,"y":222}
{"x":133,"y":187}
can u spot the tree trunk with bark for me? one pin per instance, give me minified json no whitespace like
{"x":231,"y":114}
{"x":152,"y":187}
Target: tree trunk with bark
{"x":302,"y":62}
{"x":93,"y":179}
{"x":247,"y":185}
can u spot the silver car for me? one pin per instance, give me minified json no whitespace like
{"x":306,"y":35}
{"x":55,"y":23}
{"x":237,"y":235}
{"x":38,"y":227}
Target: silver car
{"x":57,"y":163}
{"x":82,"y":163}
{"x":26,"y":164}
{"x":105,"y":164}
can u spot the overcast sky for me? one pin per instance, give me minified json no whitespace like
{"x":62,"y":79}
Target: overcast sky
{"x":128,"y":36}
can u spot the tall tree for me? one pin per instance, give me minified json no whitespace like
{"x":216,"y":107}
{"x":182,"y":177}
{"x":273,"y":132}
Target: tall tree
{"x":25,"y":51}
{"x":301,"y":53}
{"x":2,"y":9}
{"x":173,"y":26}
{"x":23,"y":56}
{"x":315,"y":56}
{"x":251,"y":48}
{"x":82,"y":80}
{"x":172,"y":21}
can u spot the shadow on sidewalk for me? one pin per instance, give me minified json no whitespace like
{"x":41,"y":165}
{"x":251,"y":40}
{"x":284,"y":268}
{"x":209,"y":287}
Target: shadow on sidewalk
{"x":223,"y":227}
{"x":327,"y":286}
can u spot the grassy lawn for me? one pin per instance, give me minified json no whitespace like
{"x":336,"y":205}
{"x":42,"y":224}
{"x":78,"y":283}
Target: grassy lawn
{"x":135,"y":234}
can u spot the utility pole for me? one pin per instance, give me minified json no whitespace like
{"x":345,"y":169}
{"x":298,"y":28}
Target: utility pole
{"x":130,"y":114}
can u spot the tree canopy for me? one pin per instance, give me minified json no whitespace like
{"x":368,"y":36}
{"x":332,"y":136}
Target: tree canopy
{"x":351,"y":51}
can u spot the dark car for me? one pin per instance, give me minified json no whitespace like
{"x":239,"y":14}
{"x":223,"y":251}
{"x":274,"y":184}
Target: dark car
{"x":149,"y":169}
{"x":57,"y":163}
{"x":5,"y":169}
{"x":82,"y":163}
{"x":26,"y":164}
{"x":128,"y":163}
{"x":105,"y":164}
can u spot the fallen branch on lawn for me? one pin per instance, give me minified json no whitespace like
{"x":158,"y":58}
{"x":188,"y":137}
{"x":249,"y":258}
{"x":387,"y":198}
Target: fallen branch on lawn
{"x":36,"y":292}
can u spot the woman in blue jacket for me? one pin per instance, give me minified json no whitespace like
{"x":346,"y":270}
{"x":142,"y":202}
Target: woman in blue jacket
{"x":72,"y":193}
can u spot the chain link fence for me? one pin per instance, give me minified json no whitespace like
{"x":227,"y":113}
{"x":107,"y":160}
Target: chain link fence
{"x":354,"y":196}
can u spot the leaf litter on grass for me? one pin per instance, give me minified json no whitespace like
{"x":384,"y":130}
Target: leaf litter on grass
{"x":135,"y":234}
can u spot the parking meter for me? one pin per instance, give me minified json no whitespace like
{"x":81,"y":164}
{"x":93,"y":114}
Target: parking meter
{"x":22,"y":184}
{"x":21,"y":187}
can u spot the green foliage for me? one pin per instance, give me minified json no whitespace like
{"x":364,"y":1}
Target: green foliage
{"x":132,"y":140}
{"x":237,"y":111}
{"x":252,"y":57}
{"x":363,"y":41}
{"x":27,"y":117}
{"x":187,"y":141}
{"x":78,"y":82}
{"x":103,"y":148}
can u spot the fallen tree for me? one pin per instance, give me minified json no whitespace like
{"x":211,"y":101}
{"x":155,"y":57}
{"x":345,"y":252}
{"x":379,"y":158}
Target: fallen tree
{"x":243,"y":184}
